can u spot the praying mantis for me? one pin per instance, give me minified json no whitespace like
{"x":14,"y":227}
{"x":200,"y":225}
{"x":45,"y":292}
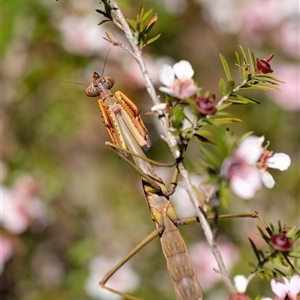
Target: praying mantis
{"x":129,"y":136}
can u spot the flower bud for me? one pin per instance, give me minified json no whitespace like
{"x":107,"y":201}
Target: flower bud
{"x":239,"y":296}
{"x":205,"y":105}
{"x":263,"y":65}
{"x":281,"y":242}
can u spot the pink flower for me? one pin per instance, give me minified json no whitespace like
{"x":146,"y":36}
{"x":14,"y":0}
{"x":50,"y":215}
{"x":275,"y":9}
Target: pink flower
{"x":240,"y":168}
{"x":124,"y":280}
{"x":20,"y":205}
{"x":247,"y":167}
{"x":287,"y":290}
{"x":177,"y":80}
{"x":205,"y":267}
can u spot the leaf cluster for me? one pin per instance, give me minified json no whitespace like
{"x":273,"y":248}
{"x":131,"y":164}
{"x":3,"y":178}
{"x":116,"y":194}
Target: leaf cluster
{"x":142,"y":26}
{"x":249,"y":79}
{"x":273,"y":263}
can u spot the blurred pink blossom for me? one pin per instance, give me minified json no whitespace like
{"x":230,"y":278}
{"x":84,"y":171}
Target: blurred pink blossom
{"x":124,"y":280}
{"x":80,"y":35}
{"x":21,"y":205}
{"x":255,"y":20}
{"x":6,"y":251}
{"x":205,"y":262}
{"x":178,"y":80}
{"x":289,"y":95}
{"x":289,"y":289}
{"x":286,"y":37}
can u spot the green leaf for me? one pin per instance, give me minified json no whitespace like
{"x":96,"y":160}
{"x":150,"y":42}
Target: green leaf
{"x":244,"y":55}
{"x":223,"y":106}
{"x":202,"y":138}
{"x":222,"y":121}
{"x":271,"y":77}
{"x":210,"y":157}
{"x":222,"y":86}
{"x":259,"y":87}
{"x":222,"y":113}
{"x":230,"y":87}
{"x":252,"y":61}
{"x":236,"y":101}
{"x":153,"y":39}
{"x":247,"y":99}
{"x":294,"y":254}
{"x":178,"y":116}
{"x":241,"y":73}
{"x":256,"y":252}
{"x":296,"y":236}
{"x":225,"y":67}
{"x":132,"y":24}
{"x":243,"y":137}
{"x":147,"y":14}
{"x":224,"y":195}
{"x":263,"y":235}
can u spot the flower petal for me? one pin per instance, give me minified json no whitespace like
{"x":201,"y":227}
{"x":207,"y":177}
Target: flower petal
{"x":246,"y":187}
{"x":250,"y":148}
{"x":167,"y":90}
{"x":267,"y":179}
{"x":279,"y":161}
{"x":278,"y":288}
{"x":294,"y":285}
{"x":241,"y":283}
{"x":183,"y":70}
{"x":166,"y":75}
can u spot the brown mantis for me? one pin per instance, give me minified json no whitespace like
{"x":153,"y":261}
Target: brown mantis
{"x":129,"y":134}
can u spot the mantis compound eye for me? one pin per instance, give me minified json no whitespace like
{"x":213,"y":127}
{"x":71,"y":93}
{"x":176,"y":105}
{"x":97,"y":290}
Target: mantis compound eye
{"x":108,"y":82}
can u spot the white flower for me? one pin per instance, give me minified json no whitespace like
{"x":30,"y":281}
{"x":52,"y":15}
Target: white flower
{"x":240,"y":168}
{"x":280,"y":161}
{"x":241,"y":282}
{"x":177,"y":80}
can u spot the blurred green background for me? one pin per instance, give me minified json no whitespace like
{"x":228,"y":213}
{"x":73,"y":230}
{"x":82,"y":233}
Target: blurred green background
{"x":53,"y":134}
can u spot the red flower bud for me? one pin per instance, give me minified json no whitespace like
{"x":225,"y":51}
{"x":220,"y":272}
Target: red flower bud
{"x":239,"y":296}
{"x":205,"y":105}
{"x":281,"y":242}
{"x":263,"y":65}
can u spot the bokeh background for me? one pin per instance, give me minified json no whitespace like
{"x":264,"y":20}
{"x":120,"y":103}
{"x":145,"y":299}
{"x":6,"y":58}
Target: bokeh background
{"x":70,"y":207}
